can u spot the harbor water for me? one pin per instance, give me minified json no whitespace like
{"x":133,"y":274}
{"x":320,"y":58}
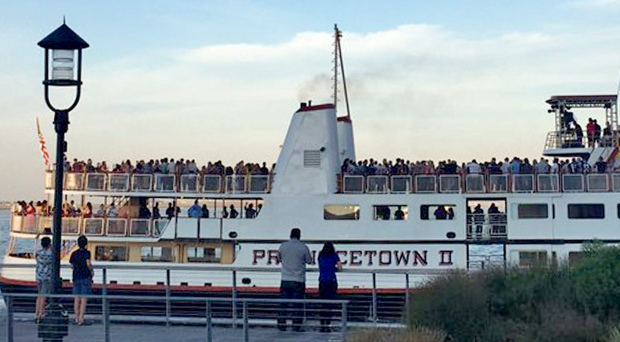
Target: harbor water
{"x":5,"y":216}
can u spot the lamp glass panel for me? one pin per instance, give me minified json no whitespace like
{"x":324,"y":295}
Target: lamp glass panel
{"x":62,"y":64}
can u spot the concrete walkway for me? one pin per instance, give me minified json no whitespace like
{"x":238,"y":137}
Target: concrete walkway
{"x":26,"y":331}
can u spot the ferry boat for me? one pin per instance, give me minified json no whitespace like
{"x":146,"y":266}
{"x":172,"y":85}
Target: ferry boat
{"x":418,"y":223}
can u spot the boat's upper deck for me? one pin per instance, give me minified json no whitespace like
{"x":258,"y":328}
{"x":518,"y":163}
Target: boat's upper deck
{"x":572,"y":137}
{"x":216,"y":186}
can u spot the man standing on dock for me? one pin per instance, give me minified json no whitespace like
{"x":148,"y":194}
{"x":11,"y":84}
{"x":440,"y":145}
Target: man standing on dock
{"x":294,"y":255}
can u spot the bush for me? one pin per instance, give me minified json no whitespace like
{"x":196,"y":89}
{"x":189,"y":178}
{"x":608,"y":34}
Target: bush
{"x":457,"y":303}
{"x":549,"y":302}
{"x":519,"y":293}
{"x":556,"y":323}
{"x":614,"y":334}
{"x":597,"y":282}
{"x":513,"y":304}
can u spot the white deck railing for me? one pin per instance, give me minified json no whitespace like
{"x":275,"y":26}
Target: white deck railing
{"x":351,"y":184}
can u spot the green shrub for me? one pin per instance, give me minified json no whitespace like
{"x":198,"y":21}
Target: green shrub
{"x":457,"y":303}
{"x":597,"y":282}
{"x":548,"y":302}
{"x":614,"y":334}
{"x":556,"y":323}
{"x":518,"y":293}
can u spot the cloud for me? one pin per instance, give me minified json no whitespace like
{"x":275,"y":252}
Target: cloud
{"x":599,"y":4}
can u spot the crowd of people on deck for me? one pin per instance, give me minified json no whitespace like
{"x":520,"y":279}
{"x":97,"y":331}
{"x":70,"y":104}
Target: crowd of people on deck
{"x":168,"y":166}
{"x":70,"y":209}
{"x":401,"y":167}
{"x":596,"y":135}
{"x":366,"y":167}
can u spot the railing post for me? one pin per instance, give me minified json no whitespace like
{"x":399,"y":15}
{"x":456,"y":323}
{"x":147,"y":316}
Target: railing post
{"x":9,"y":318}
{"x":106,"y":308}
{"x":168,"y":308}
{"x":374,"y":298}
{"x":407,"y":297}
{"x":209,"y":322}
{"x":246,"y":332}
{"x":344,"y":321}
{"x":234,"y":298}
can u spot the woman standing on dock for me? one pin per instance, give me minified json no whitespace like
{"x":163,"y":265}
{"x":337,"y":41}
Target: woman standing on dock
{"x":82,"y":278}
{"x":329,"y":263}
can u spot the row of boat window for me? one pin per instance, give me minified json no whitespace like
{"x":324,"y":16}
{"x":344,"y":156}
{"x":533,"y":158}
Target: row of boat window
{"x":533,"y":258}
{"x":25,"y":248}
{"x":193,"y":254}
{"x":446,"y":211}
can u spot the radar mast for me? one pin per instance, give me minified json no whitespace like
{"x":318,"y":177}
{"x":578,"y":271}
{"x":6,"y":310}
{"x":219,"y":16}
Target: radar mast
{"x":339,"y":69}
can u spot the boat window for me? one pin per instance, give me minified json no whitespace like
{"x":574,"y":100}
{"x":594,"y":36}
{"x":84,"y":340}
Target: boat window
{"x":390,"y":212}
{"x":111,"y":253}
{"x":574,"y":257}
{"x":156,"y":253}
{"x":204,"y":254}
{"x":586,"y":211}
{"x":23,"y":248}
{"x":437,"y":212}
{"x":341,"y":212}
{"x":532,"y":258}
{"x":532,"y":211}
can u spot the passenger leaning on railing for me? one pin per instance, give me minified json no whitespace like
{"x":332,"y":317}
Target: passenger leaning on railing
{"x":87,"y":211}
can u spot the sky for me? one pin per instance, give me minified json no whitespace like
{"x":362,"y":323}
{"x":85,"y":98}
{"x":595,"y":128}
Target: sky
{"x":219,"y":80}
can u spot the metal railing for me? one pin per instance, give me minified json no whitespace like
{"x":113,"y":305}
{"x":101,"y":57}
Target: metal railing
{"x":162,"y":183}
{"x":565,"y":139}
{"x":480,"y":183}
{"x":375,"y":295}
{"x":214,"y":314}
{"x":351,"y":184}
{"x":484,"y":227}
{"x":91,"y":226}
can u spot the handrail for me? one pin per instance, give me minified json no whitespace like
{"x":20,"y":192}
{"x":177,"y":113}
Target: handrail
{"x":163,"y":182}
{"x":183,"y":298}
{"x":55,"y":325}
{"x":75,"y":225}
{"x":196,"y":184}
{"x":112,"y":265}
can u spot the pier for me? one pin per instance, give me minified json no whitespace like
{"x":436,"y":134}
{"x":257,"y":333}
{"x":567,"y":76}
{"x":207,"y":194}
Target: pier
{"x":254,"y":322}
{"x":175,"y":313}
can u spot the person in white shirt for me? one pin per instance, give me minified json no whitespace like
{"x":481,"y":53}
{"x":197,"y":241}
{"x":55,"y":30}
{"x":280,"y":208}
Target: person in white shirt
{"x":474,"y":168}
{"x":112,"y":211}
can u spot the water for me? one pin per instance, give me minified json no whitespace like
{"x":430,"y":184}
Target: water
{"x":5,"y":217}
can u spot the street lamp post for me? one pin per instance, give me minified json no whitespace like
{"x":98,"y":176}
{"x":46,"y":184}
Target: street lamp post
{"x":60,"y":71}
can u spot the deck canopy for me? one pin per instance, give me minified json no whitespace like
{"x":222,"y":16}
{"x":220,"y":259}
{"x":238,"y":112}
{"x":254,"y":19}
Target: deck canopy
{"x":583,"y":101}
{"x":570,"y":137}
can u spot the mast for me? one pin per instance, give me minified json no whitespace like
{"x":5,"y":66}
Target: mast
{"x":339,"y":67}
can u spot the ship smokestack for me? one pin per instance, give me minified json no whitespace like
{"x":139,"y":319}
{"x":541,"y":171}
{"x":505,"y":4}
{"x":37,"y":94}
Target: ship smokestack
{"x":302,"y":105}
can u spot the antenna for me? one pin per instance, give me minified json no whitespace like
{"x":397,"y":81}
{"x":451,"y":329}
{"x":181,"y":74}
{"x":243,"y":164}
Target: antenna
{"x":618,"y":90}
{"x":339,"y":66}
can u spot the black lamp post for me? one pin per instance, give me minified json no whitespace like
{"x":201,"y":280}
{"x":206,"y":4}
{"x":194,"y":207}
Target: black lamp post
{"x":60,"y":71}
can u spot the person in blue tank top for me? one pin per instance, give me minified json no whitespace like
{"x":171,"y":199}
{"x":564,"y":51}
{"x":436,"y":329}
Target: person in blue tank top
{"x":329,"y":263}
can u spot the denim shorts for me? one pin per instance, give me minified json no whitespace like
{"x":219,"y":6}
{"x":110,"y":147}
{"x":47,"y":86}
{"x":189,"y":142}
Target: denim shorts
{"x":83,"y":286}
{"x":45,"y":286}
